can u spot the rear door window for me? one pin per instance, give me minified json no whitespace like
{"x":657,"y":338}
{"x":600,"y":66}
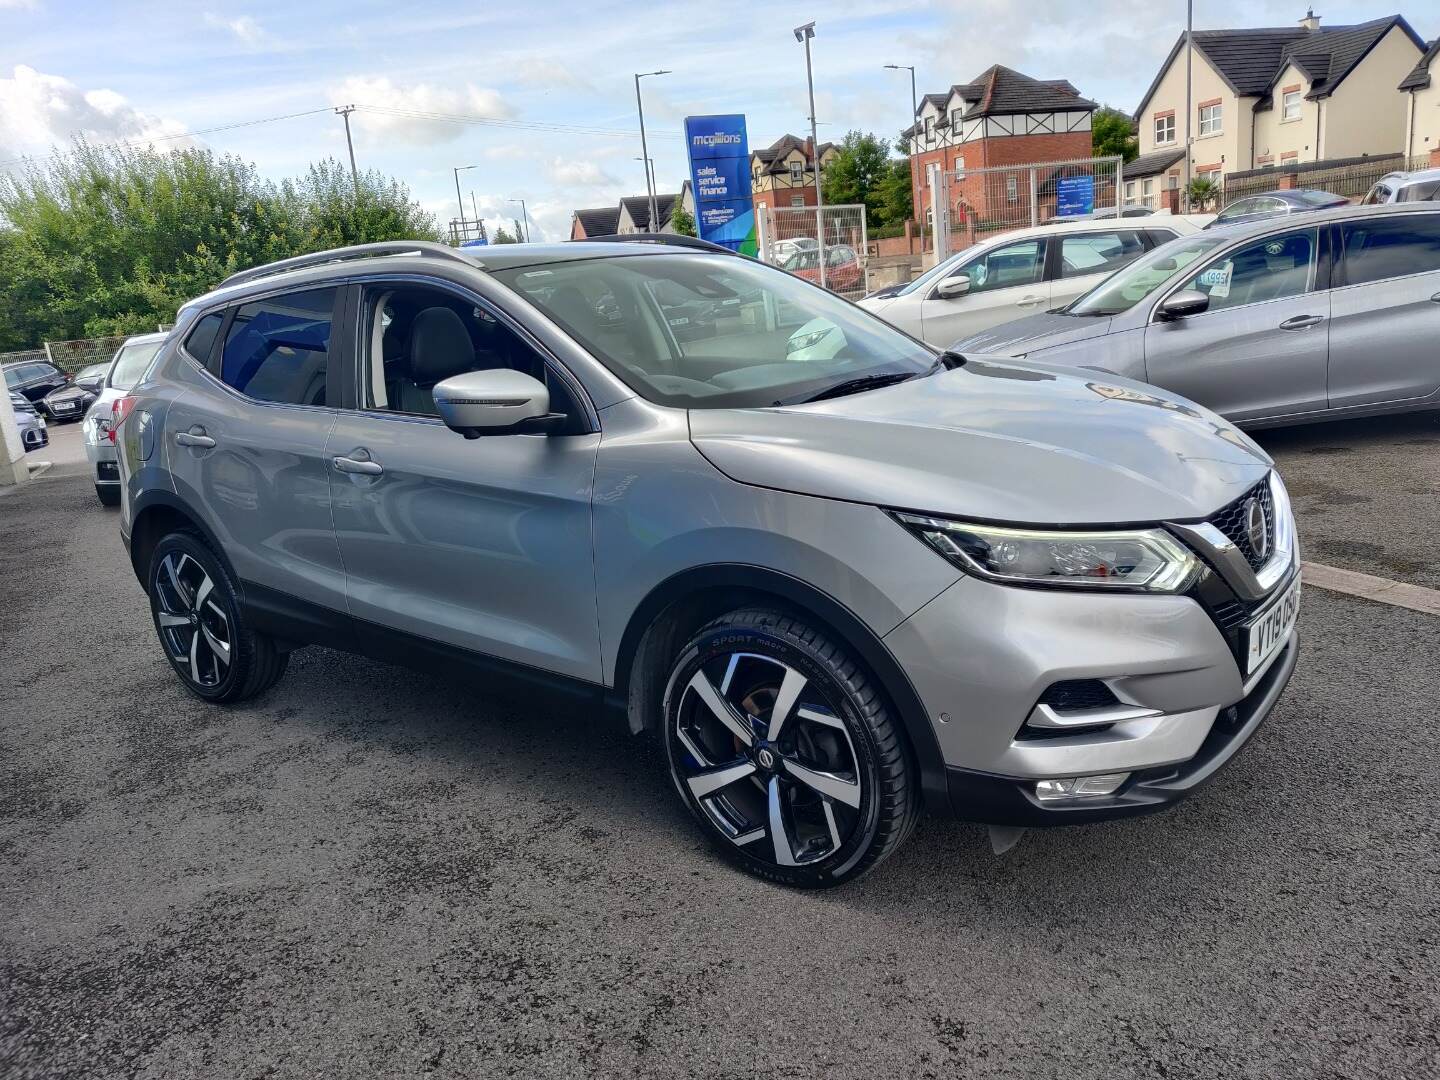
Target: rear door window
{"x":278,"y":349}
{"x":1098,"y":253}
{"x":1390,"y":247}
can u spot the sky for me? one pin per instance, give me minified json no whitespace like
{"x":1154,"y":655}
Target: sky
{"x":136,"y":71}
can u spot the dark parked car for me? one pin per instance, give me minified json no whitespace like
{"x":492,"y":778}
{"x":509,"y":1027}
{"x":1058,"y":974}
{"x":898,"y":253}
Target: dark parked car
{"x":70,"y":402}
{"x":1276,"y":204}
{"x":93,"y":377}
{"x":34,"y":378}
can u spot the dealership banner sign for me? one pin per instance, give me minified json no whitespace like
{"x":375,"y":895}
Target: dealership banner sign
{"x":720,"y":179}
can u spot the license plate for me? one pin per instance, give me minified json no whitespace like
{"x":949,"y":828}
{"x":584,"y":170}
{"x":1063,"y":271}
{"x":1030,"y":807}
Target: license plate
{"x":1268,"y":632}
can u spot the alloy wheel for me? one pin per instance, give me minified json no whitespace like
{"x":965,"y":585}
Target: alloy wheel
{"x":767,"y":759}
{"x":195,"y":630}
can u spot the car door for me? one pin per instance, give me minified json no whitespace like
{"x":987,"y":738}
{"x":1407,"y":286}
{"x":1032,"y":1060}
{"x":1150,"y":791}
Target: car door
{"x":1006,"y":282}
{"x":246,"y":442}
{"x":482,"y":543}
{"x":1260,"y":348}
{"x":1084,"y":259}
{"x":1385,"y":310}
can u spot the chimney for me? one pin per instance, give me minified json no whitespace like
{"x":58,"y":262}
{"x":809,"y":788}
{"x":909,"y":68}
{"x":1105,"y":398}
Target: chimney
{"x":1311,"y":21}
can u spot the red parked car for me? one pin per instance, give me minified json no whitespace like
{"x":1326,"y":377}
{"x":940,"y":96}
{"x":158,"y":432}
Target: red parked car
{"x":842,"y":267}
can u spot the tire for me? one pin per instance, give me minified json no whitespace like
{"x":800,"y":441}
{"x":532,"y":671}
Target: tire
{"x":199,"y":624}
{"x":108,"y":494}
{"x":822,"y":800}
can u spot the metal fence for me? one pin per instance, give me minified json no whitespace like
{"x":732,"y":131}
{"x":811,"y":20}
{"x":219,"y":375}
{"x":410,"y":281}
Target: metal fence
{"x":1350,"y":177}
{"x":827,"y":247}
{"x":967,"y":205}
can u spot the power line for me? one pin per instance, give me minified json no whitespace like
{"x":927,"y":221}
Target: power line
{"x":178,"y":135}
{"x":496,"y":121}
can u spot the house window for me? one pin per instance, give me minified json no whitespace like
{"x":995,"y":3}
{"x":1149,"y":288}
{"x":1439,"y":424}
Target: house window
{"x":797,"y":200}
{"x":955,"y":119}
{"x":797,"y":172}
{"x":1012,"y":189}
{"x":1210,"y":119}
{"x":1290,"y":110}
{"x":1147,"y":186}
{"x":1172,"y":181}
{"x":1289,"y":157}
{"x":929,"y":129}
{"x":1129,"y":190}
{"x":1164,"y":129}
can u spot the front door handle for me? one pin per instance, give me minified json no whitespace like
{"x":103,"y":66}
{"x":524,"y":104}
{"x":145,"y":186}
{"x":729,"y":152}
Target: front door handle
{"x":1026,"y":301}
{"x":357,"y":466}
{"x":1435,"y":299}
{"x":195,"y":437}
{"x":1300,"y":322}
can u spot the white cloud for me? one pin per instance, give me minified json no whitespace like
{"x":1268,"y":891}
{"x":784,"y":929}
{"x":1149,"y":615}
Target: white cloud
{"x":384,"y":93}
{"x":245,"y":29}
{"x":27,"y":4}
{"x":39,"y":111}
{"x":550,"y":75}
{"x":581,"y":173}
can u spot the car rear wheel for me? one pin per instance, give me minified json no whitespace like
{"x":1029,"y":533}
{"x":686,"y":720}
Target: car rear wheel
{"x":202,"y":629}
{"x":785,"y":752}
{"x":108,"y":494}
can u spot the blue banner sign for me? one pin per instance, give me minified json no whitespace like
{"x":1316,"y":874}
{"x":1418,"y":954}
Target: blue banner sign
{"x":720,"y":179}
{"x":1074,"y":195}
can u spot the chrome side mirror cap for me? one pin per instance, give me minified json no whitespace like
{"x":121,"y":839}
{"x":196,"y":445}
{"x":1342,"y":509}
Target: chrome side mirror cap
{"x":498,"y":401}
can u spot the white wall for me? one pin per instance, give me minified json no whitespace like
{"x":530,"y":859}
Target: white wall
{"x":1231,"y":147}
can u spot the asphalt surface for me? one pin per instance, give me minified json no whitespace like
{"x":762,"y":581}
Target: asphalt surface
{"x":374,"y":873}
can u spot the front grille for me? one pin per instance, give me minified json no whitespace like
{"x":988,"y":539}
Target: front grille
{"x":1233,"y":522}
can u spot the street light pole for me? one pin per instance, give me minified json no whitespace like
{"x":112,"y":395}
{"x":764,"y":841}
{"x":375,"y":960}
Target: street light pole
{"x":1189,"y":54}
{"x":345,"y":111}
{"x":803,"y":34}
{"x":640,"y":108}
{"x":458,"y":169}
{"x":524,"y":217}
{"x":909,"y":145}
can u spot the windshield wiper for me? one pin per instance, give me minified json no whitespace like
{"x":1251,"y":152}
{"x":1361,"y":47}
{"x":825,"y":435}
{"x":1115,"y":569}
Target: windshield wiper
{"x":855,"y":386}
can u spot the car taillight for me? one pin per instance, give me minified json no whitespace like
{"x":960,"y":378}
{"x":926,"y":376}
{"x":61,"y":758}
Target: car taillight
{"x":120,"y":408}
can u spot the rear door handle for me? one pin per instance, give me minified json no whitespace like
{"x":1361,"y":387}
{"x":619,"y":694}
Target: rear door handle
{"x":1435,"y":299}
{"x":1300,"y":322}
{"x":357,"y":466}
{"x":1026,"y":301}
{"x":194,"y":437}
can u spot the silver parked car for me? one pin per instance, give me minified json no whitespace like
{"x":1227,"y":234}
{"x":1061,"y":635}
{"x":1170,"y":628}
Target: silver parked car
{"x":1333,"y":315}
{"x":114,"y":381}
{"x":842,"y":583}
{"x":29,"y":423}
{"x":1398,"y":187}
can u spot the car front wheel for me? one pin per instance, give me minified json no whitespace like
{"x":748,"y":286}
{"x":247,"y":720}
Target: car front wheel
{"x":197,"y":615}
{"x":785,"y":752}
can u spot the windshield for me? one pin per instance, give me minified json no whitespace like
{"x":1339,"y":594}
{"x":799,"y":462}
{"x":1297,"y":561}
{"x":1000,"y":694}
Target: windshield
{"x":1125,"y":288}
{"x":714,"y":331}
{"x":938,"y":271}
{"x":131,"y":363}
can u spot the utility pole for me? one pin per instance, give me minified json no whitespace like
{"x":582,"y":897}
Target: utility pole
{"x":1189,"y":54}
{"x":803,"y":34}
{"x":345,"y":111}
{"x":473,"y":207}
{"x":910,"y":146}
{"x":640,"y":108}
{"x":458,"y":169}
{"x":524,"y":217}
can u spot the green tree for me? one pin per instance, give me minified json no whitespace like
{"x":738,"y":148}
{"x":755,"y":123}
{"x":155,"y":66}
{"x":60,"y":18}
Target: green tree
{"x":112,"y":240}
{"x":519,"y":230}
{"x":855,"y":175}
{"x":1110,"y":133}
{"x":503,"y":237}
{"x":682,"y":221}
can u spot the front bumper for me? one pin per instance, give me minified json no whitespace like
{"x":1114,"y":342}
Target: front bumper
{"x":34,"y":437}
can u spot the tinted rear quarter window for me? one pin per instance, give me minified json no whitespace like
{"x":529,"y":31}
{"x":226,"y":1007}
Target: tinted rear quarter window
{"x":278,"y":348}
{"x":1391,"y":247}
{"x":201,"y":341}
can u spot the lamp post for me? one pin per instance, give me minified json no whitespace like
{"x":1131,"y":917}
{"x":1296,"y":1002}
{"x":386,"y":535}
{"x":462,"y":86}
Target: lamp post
{"x":524,"y":217}
{"x":914,"y":172}
{"x":649,"y":173}
{"x":640,"y":108}
{"x":458,"y":170}
{"x":803,"y":34}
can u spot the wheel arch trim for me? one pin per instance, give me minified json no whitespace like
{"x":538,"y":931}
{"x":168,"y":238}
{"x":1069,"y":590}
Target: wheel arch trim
{"x":144,"y":508}
{"x":868,"y":647}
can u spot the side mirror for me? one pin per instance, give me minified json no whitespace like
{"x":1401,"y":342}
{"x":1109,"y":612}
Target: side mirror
{"x":498,"y":401}
{"x":1182,"y":305}
{"x":953,"y":287}
{"x":93,"y":385}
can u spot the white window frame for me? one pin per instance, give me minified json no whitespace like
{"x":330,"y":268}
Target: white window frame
{"x":1012,"y":189}
{"x":929,"y":129}
{"x":1286,"y":102}
{"x":1147,"y":186}
{"x":1129,"y":190}
{"x":1213,"y":123}
{"x":1165,"y":130}
{"x":797,"y":172}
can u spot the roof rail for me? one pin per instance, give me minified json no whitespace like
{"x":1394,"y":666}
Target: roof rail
{"x":670,"y":239}
{"x":424,"y":248}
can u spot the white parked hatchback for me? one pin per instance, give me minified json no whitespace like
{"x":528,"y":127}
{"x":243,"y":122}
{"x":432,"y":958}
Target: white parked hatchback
{"x":1023,"y":272}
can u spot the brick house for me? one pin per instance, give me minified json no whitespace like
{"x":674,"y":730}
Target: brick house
{"x":597,"y":221}
{"x":1003,"y":117}
{"x":1274,"y":96}
{"x":783,"y":173}
{"x":631,"y":215}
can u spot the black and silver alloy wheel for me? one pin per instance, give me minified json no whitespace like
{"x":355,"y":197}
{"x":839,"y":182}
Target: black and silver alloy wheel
{"x":201,"y":626}
{"x":784,"y":753}
{"x":195,"y":630}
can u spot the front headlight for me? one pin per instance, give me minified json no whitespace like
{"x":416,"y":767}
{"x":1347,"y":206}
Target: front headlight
{"x":801,"y":343}
{"x":1136,"y":560}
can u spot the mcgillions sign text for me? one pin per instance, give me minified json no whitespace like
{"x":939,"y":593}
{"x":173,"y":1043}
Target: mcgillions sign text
{"x":720,"y":178}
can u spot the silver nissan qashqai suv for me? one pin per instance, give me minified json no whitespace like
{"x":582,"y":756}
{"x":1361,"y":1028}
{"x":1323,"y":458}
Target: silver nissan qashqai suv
{"x":844,"y":577}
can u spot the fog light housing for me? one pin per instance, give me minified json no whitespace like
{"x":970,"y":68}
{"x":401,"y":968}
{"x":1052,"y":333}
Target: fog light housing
{"x":1080,"y":787}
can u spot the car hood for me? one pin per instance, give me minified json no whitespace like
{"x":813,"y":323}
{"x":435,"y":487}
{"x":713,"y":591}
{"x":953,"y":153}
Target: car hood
{"x":65,"y":393}
{"x":998,"y":441}
{"x":1033,"y":332}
